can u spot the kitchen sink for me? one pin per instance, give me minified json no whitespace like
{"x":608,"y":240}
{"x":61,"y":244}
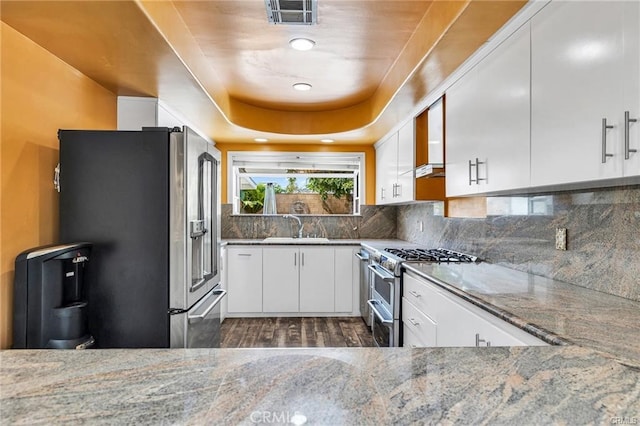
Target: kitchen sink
{"x":295,"y":240}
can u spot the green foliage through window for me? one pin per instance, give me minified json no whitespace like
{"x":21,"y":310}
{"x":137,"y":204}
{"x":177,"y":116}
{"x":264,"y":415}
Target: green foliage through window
{"x":338,"y":187}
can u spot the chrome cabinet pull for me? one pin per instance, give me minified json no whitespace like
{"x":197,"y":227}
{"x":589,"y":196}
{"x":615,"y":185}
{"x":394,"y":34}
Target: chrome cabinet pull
{"x":627,"y":123}
{"x":302,"y":259}
{"x":470,"y":166}
{"x":244,"y":254}
{"x":479,"y":340}
{"x":382,"y":193}
{"x":398,"y":190}
{"x":605,"y":126}
{"x":295,"y":259}
{"x":478,"y":178}
{"x":414,"y":322}
{"x":477,"y":166}
{"x":414,"y":293}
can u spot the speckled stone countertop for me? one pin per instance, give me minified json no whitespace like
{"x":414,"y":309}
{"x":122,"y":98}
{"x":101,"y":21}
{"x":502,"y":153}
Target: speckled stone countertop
{"x":342,"y":386}
{"x":290,"y":242}
{"x":541,"y":305}
{"x":312,"y":241}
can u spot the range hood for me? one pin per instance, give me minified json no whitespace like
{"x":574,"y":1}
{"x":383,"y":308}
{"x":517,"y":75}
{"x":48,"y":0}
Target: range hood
{"x":432,"y":141}
{"x":430,"y":170}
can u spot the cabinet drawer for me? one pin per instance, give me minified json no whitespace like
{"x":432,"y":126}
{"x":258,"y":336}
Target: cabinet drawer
{"x":422,"y":296}
{"x":420,"y":324}
{"x":410,"y":340}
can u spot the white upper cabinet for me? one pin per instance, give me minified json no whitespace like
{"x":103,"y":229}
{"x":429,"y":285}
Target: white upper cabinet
{"x":585,"y":76}
{"x":395,"y":163}
{"x":386,"y":169}
{"x":487,"y":123}
{"x":406,"y":163}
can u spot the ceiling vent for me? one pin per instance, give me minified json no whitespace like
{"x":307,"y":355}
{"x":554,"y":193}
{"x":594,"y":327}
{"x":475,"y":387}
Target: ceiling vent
{"x":292,"y":12}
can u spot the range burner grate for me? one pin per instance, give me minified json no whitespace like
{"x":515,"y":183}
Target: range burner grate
{"x":430,"y":255}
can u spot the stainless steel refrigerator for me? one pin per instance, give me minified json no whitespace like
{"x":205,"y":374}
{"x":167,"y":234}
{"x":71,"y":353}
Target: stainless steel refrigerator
{"x":149,"y":202}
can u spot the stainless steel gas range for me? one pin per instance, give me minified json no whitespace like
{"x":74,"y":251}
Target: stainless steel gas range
{"x":385,"y":266}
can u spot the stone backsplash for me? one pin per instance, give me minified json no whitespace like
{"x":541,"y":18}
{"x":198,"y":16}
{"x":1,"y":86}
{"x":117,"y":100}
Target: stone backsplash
{"x":603,"y":235}
{"x":375,"y":222}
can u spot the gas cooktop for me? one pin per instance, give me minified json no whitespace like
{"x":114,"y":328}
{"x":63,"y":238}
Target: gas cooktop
{"x":430,"y":255}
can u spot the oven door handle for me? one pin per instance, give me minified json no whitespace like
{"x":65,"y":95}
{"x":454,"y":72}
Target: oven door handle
{"x":361,"y":257}
{"x":373,"y":303}
{"x":386,"y":277}
{"x":197,"y":318}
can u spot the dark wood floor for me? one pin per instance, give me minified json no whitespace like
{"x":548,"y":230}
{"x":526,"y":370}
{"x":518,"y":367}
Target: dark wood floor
{"x":295,"y":332}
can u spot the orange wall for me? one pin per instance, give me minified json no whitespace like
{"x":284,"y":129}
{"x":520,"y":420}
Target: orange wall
{"x":40,"y":94}
{"x":369,"y":158}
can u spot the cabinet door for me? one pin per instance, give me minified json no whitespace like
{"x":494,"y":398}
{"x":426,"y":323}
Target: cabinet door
{"x":404,"y":190}
{"x":631,"y":166}
{"x":462,"y":123}
{"x":503,"y":111}
{"x":244,"y":279}
{"x":344,"y":276}
{"x":456,"y":325}
{"x":280,"y":279}
{"x":577,"y":54}
{"x":317,"y":279}
{"x":386,"y":169}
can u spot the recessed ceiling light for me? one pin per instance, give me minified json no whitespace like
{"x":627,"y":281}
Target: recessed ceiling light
{"x":261,"y":140}
{"x":326,"y":140}
{"x":302,"y":44}
{"x":303,"y":87}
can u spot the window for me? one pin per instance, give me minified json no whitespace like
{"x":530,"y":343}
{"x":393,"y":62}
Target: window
{"x":303,"y":183}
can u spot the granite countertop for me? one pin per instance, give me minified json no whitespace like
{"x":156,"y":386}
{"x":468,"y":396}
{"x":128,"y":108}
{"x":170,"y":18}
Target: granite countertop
{"x":340,"y":386}
{"x":596,"y":381}
{"x":545,"y":307}
{"x":312,"y":241}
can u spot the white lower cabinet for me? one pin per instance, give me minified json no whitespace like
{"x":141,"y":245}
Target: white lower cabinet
{"x":280,"y":275}
{"x":346,"y":278}
{"x":317,"y":280}
{"x":433,"y":317}
{"x":244,"y":280}
{"x":295,"y":280}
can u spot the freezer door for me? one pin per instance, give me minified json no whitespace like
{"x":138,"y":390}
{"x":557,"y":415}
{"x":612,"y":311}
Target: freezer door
{"x":199,"y":327}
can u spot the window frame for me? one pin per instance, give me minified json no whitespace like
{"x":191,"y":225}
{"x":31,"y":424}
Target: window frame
{"x":234,"y":177}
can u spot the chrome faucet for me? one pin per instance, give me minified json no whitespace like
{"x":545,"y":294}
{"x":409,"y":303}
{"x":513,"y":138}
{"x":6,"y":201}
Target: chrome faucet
{"x":290,"y":216}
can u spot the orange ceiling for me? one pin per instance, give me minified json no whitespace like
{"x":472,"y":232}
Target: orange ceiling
{"x":225,"y":67}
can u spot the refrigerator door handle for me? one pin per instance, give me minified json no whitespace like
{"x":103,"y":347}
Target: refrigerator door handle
{"x":207,"y":216}
{"x":199,"y":317}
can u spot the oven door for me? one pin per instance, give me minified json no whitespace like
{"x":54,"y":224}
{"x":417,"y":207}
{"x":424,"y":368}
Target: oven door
{"x":385,"y":323}
{"x":382,"y":324}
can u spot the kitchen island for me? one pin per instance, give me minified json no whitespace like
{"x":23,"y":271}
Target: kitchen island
{"x":523,"y":385}
{"x":592,"y":378}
